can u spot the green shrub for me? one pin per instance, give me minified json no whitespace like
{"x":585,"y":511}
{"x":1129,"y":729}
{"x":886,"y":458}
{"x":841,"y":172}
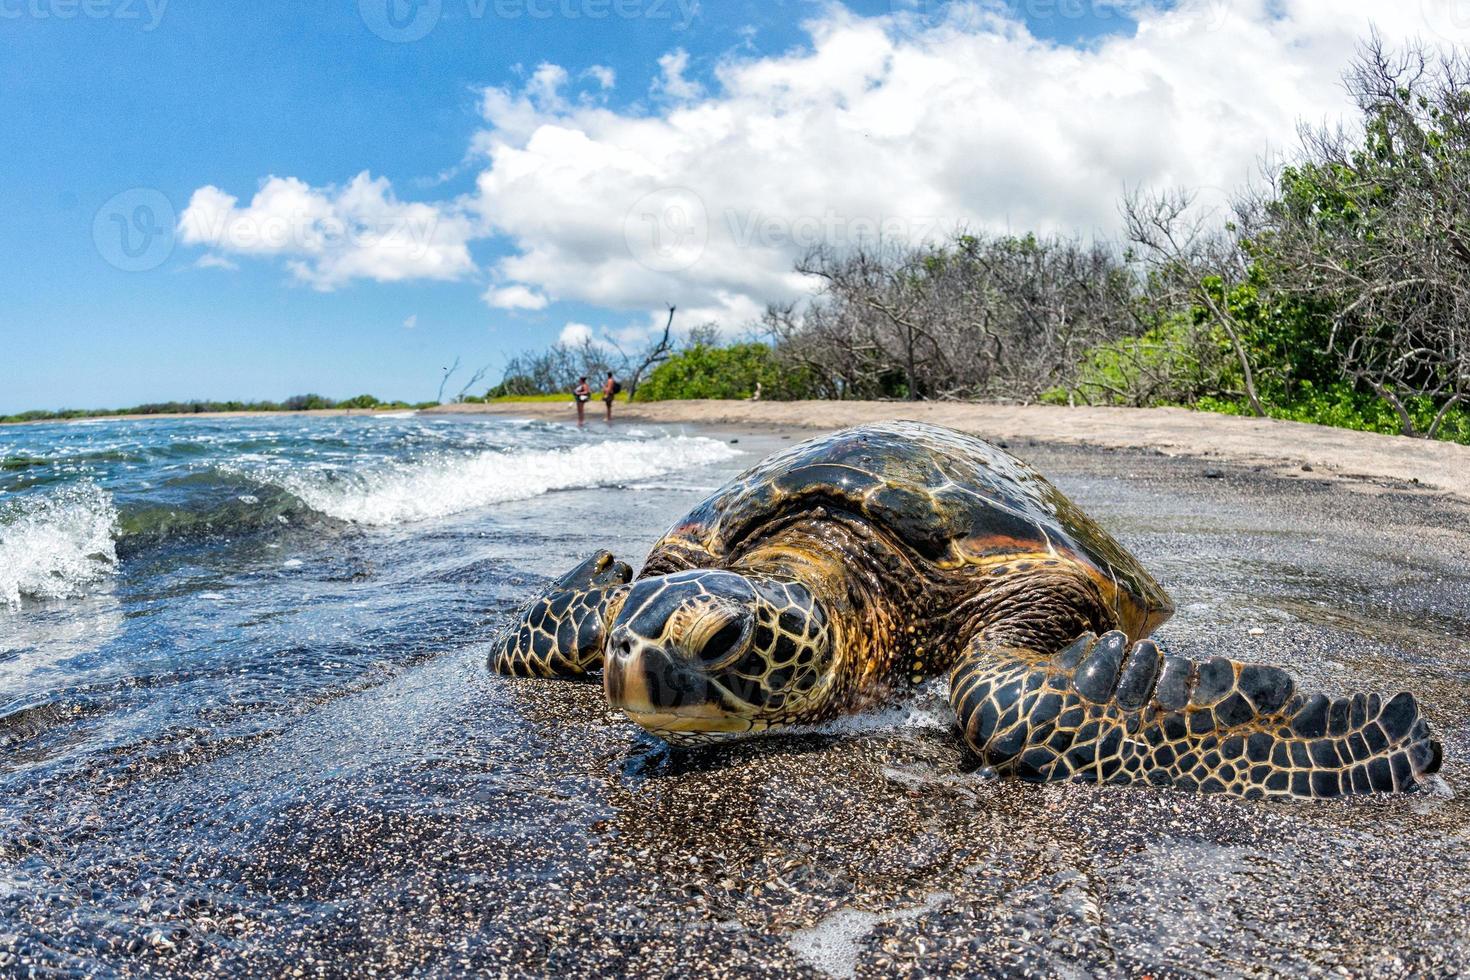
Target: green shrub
{"x":307,"y":403}
{"x":1175,"y":363}
{"x":361,"y":401}
{"x":706,"y":371}
{"x":1340,"y":406}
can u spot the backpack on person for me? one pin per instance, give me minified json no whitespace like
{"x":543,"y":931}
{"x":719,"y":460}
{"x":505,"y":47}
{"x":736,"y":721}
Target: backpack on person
{"x":617,"y":387}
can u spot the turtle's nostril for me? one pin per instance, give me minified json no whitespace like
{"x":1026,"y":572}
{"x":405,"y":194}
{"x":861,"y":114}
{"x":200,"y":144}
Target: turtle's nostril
{"x":669,"y":683}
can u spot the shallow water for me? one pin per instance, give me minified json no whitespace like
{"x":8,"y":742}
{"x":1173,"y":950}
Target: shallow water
{"x":241,"y":742}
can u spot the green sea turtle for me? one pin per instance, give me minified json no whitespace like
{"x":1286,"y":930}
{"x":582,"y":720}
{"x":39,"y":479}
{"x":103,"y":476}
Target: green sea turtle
{"x":847,"y":567}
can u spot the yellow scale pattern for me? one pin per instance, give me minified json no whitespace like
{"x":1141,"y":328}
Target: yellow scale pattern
{"x":1089,"y":714}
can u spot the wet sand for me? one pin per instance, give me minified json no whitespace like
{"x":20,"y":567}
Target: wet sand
{"x":444,"y":820}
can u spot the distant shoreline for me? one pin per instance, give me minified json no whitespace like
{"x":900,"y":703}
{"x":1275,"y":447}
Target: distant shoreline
{"x":144,"y":416}
{"x":1293,"y":449}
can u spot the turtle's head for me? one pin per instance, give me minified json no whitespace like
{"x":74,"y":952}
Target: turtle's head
{"x":699,"y":656}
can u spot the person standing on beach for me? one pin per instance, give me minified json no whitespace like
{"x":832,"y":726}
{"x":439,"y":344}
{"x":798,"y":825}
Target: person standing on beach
{"x":610,"y":389}
{"x":583,"y":393}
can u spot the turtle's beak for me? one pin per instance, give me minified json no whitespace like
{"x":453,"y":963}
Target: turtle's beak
{"x":641,"y":676}
{"x":659,"y":693}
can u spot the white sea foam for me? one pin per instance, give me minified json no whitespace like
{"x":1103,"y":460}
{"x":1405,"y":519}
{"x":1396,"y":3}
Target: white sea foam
{"x":56,"y":544}
{"x":835,"y":944}
{"x":926,"y":707}
{"x":445,"y":485}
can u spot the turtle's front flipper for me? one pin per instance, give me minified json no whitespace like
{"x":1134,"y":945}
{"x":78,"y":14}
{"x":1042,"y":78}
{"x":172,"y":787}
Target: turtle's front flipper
{"x":560,"y":632}
{"x":1100,"y":712}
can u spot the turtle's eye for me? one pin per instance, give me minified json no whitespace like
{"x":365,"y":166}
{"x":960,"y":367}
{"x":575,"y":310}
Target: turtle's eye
{"x":720,"y":636}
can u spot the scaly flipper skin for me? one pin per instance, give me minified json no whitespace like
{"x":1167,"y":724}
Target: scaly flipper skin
{"x":1100,"y":712}
{"x":560,"y":633}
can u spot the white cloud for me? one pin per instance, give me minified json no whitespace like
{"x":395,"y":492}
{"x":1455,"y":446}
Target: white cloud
{"x":546,"y":84}
{"x":515,"y":298}
{"x":411,"y":322}
{"x":671,"y":81}
{"x":332,"y":235}
{"x":210,"y":260}
{"x":602,"y":75}
{"x":899,"y":126}
{"x":576,"y":334}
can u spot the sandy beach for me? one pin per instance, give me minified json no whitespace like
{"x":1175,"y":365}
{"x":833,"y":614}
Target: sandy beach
{"x":1284,"y":448}
{"x":335,"y":778}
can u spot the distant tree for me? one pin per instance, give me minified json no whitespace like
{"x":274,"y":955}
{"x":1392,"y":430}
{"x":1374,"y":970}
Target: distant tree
{"x":634,"y":366}
{"x":443,"y":381}
{"x":974,"y":316}
{"x":1373,"y":228}
{"x":305,"y":403}
{"x":1193,"y":264}
{"x":361,"y":401}
{"x":475,"y":379}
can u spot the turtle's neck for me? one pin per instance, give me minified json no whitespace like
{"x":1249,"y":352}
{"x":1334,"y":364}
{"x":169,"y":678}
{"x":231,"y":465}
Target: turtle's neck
{"x":867,"y":590}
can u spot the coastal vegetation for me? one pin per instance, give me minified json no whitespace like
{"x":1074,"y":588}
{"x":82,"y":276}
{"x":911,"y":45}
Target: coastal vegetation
{"x":1335,"y":290}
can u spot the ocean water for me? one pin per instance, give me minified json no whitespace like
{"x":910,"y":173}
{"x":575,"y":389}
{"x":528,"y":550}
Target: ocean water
{"x":180,"y":599}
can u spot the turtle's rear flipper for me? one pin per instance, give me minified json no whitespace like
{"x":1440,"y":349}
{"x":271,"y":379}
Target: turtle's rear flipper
{"x":1100,"y":712}
{"x":560,"y":632}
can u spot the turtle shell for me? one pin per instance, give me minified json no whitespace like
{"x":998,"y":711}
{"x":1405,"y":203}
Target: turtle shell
{"x":953,"y":500}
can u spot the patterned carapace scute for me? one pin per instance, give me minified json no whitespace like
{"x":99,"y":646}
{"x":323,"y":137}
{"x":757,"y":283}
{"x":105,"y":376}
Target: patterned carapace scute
{"x":947,"y":497}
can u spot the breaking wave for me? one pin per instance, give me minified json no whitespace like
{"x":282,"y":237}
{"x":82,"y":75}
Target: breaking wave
{"x":56,"y":544}
{"x":57,"y":541}
{"x":440,"y":486}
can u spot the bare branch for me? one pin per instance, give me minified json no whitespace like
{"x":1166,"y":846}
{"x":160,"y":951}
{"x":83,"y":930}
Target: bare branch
{"x":448,"y":372}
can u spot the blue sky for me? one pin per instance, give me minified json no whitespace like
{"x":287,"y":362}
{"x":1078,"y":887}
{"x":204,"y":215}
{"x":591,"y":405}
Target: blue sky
{"x":116,"y":97}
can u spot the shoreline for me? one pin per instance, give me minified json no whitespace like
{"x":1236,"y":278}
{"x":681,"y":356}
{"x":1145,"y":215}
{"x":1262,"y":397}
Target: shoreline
{"x":1288,"y":449}
{"x":1294,"y":449}
{"x":242,"y":414}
